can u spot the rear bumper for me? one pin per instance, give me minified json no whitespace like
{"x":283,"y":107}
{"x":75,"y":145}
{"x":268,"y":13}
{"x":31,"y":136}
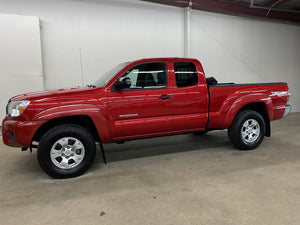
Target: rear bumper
{"x":287,"y":110}
{"x":19,"y":133}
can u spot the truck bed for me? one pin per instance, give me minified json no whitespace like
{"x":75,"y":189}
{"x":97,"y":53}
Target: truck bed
{"x":246,"y":84}
{"x":224,"y":96}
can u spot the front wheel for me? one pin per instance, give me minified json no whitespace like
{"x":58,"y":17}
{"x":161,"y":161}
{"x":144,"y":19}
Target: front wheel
{"x":247,"y":130}
{"x":66,"y":151}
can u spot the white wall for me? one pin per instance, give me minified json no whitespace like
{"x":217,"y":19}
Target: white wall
{"x":20,"y":57}
{"x":109,"y":32}
{"x":247,"y":50}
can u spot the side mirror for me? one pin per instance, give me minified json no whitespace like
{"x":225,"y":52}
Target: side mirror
{"x":123,"y":82}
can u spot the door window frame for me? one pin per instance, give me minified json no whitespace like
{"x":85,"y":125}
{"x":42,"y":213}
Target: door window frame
{"x":195,"y":72}
{"x":113,"y":89}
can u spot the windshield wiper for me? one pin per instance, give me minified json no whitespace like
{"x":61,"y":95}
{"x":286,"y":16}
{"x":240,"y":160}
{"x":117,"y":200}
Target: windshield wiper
{"x":91,"y":85}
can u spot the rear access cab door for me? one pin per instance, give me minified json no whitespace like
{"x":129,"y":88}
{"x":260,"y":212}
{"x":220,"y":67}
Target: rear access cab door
{"x":190,"y":95}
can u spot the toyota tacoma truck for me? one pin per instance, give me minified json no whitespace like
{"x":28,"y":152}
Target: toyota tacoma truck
{"x":140,"y":99}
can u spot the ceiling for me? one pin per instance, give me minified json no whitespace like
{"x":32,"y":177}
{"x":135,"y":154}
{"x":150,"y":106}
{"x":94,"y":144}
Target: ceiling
{"x":284,"y":10}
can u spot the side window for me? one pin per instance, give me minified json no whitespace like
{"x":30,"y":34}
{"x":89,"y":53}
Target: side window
{"x":185,"y":74}
{"x":148,"y":75}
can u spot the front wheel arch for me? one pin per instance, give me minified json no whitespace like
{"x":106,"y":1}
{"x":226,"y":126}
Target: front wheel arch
{"x":80,"y":120}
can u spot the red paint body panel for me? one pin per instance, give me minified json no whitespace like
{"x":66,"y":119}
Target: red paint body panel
{"x":140,"y":104}
{"x":90,"y":110}
{"x":22,"y":132}
{"x":122,"y":115}
{"x":191,"y":102}
{"x":227,"y":101}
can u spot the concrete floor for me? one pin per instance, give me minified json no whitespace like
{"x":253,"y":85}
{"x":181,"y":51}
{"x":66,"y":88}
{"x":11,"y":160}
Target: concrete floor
{"x":183,"y":179}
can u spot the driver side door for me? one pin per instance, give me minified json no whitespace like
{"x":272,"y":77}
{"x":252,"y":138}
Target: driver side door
{"x":146,"y":107}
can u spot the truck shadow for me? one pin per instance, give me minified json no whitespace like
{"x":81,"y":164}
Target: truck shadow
{"x":166,"y":145}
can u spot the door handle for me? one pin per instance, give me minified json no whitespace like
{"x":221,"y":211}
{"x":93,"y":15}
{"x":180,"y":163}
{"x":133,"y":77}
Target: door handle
{"x":164,"y":97}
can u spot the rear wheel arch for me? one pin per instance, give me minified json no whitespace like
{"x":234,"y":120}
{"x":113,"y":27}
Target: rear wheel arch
{"x":247,"y":130}
{"x":259,"y":107}
{"x":262,"y":109}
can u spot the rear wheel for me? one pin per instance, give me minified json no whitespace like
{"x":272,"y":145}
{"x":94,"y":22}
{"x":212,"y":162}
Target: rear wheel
{"x":247,"y":130}
{"x":66,"y":151}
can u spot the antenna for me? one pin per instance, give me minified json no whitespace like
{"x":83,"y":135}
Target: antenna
{"x":81,"y":68}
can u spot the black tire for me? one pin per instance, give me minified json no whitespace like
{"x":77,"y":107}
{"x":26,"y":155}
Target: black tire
{"x":247,"y":130}
{"x":77,"y":155}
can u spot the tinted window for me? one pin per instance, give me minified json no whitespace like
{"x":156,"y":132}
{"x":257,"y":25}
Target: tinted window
{"x":148,"y":75}
{"x":185,"y":74}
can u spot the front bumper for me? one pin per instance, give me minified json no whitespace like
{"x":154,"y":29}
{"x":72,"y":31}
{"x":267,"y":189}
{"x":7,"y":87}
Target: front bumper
{"x":287,"y":110}
{"x":19,"y":133}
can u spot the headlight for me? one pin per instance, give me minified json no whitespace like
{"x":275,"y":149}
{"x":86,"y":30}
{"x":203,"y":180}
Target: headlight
{"x":16,"y":108}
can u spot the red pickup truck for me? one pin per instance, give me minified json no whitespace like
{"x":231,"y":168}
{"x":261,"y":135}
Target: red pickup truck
{"x":144,"y":98}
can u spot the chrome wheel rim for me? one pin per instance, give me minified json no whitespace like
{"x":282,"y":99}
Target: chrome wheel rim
{"x":67,"y":153}
{"x":250,"y":131}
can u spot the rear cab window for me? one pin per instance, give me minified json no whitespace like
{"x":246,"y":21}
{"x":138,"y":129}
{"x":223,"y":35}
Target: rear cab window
{"x":185,"y":74}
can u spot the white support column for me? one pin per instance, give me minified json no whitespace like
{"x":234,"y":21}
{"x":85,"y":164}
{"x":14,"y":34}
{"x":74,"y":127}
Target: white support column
{"x":187,"y":31}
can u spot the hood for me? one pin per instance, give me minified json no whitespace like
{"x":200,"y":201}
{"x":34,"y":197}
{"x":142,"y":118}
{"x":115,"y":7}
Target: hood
{"x":55,"y":93}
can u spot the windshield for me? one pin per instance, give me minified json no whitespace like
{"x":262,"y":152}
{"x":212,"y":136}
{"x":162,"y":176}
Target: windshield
{"x":104,"y":78}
